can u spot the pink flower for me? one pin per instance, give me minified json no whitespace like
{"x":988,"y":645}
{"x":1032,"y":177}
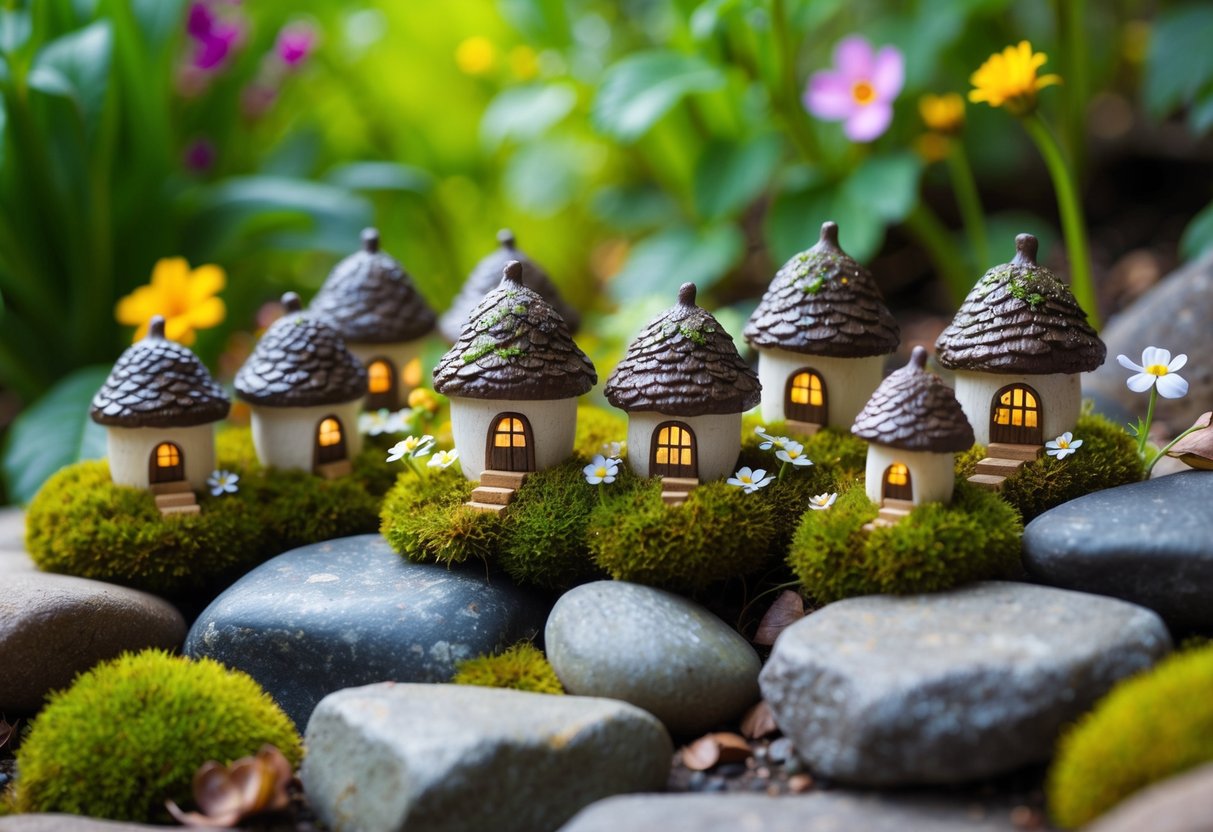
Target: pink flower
{"x":859,"y":90}
{"x":214,"y":38}
{"x":199,"y":155}
{"x":295,"y":43}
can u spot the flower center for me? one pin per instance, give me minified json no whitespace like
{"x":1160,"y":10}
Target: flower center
{"x":863,"y":93}
{"x":600,"y":472}
{"x":1061,"y":443}
{"x":1157,"y":369}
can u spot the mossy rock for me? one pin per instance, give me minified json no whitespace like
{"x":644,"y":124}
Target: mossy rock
{"x":1153,"y":726}
{"x":597,"y":427}
{"x":935,"y":548}
{"x":1108,"y":458}
{"x":521,"y":667}
{"x":131,"y":732}
{"x":719,"y":533}
{"x":424,"y":519}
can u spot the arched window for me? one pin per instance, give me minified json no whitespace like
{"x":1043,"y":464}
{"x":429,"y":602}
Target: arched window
{"x":673,"y":452}
{"x":330,"y":440}
{"x":382,"y":387}
{"x":805,"y":397}
{"x":1015,"y":416}
{"x":511,"y":444}
{"x":167,"y":463}
{"x":897,"y":485}
{"x":379,"y":377}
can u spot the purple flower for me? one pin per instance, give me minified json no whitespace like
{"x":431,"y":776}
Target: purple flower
{"x":214,"y":38}
{"x":199,"y":155}
{"x":199,"y":21}
{"x":256,"y":99}
{"x":295,"y":42}
{"x":859,"y":90}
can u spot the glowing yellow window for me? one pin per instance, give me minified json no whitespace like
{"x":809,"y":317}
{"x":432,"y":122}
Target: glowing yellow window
{"x":898,"y":474}
{"x":806,"y":389}
{"x":1017,"y":407}
{"x":510,"y":433}
{"x":674,"y":446}
{"x":167,"y":455}
{"x":330,"y":433}
{"x":379,"y":377}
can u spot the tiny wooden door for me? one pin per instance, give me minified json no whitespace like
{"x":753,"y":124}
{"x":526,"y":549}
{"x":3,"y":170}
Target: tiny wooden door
{"x":805,"y":397}
{"x":897,"y":484}
{"x":1015,"y":416}
{"x":167,"y":463}
{"x":330,"y":441}
{"x":382,"y":385}
{"x":511,"y":444}
{"x":673,"y":452}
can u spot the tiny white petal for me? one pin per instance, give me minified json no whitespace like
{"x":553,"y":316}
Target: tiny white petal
{"x":1155,"y":355}
{"x":1077,"y":443}
{"x":1177,"y":363}
{"x":1172,"y":386}
{"x":1141,"y":382}
{"x":1129,"y":365}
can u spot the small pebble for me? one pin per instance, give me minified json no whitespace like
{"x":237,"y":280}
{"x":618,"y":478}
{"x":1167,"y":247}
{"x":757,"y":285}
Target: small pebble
{"x":731,"y":769}
{"x":780,"y":750}
{"x":798,"y":783}
{"x":763,"y":772}
{"x":1025,"y":817}
{"x":715,"y":784}
{"x":697,"y":780}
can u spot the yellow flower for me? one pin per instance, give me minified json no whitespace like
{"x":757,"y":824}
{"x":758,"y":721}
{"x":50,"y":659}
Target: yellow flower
{"x":932,"y":147}
{"x":943,"y":113}
{"x":1008,"y":78}
{"x":185,"y":298}
{"x":424,"y":399}
{"x":524,"y":63}
{"x":475,"y":55}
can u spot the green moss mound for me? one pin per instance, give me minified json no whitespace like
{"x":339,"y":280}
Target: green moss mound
{"x":424,"y":519}
{"x":1107,"y":458}
{"x":717,"y":534}
{"x":936,"y":548}
{"x":597,"y":427}
{"x":521,"y":667}
{"x":131,"y":732}
{"x":1150,"y":727}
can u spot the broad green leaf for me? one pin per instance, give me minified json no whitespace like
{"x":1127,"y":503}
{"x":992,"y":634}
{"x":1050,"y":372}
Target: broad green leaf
{"x":659,"y":264}
{"x":638,"y":90}
{"x":1198,"y":236}
{"x":1200,"y":116}
{"x":633,"y":208}
{"x":381,"y":176}
{"x":1179,"y":62}
{"x":55,"y":431}
{"x":794,"y":223}
{"x":706,"y":18}
{"x":886,"y":185}
{"x":77,"y":66}
{"x":730,"y":176}
{"x":14,"y":29}
{"x":544,"y":176}
{"x":159,"y":20}
{"x":523,"y":113}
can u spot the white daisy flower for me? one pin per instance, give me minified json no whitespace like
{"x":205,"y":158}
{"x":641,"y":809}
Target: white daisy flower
{"x":1157,"y":369}
{"x":1063,"y":446}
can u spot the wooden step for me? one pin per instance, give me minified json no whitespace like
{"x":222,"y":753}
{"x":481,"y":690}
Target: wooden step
{"x":334,"y":470}
{"x":183,"y":498}
{"x":893,"y":514}
{"x":174,"y":487}
{"x":180,"y":511}
{"x":801,"y":428}
{"x":998,"y":467}
{"x":893,"y":502}
{"x":493,"y":495}
{"x":684,"y":485}
{"x":673,"y":498}
{"x":878,"y":523}
{"x":478,"y":506}
{"x":1001,"y":450}
{"x":503,"y":479}
{"x":988,"y":482}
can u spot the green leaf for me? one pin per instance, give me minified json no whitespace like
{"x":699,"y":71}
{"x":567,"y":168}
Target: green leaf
{"x":55,"y":431}
{"x":543,"y":177}
{"x":381,"y":176}
{"x":1200,"y":117}
{"x":795,"y":219}
{"x":633,"y":208}
{"x":159,"y":20}
{"x":1179,"y":63}
{"x":638,"y":90}
{"x":887,"y":185}
{"x":659,"y":264}
{"x":523,"y":113}
{"x":1198,"y":236}
{"x":730,"y":176}
{"x":14,"y":29}
{"x":76,"y":66}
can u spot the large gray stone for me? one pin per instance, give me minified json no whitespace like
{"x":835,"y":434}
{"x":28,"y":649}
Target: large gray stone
{"x":652,"y":648}
{"x":55,"y":626}
{"x":1180,"y":804}
{"x":817,"y":812}
{"x":351,"y":611}
{"x":1149,"y":542}
{"x":13,"y":557}
{"x":885,"y":690}
{"x":441,"y":758}
{"x":69,"y":823}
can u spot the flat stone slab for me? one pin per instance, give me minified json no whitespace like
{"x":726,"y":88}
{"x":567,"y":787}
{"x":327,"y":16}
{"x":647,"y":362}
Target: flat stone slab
{"x":53,"y":627}
{"x":1180,"y":804}
{"x":949,"y":687}
{"x":817,"y":812}
{"x":68,"y":823}
{"x":1148,"y":542}
{"x":439,"y":758}
{"x":352,"y":611}
{"x":655,"y":649}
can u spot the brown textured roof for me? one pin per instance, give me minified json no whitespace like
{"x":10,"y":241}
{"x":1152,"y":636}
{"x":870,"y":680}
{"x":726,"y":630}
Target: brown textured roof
{"x":369,"y":298}
{"x":157,"y":383}
{"x":683,"y":364}
{"x":514,"y":346}
{"x":822,"y":302}
{"x":485,"y":277}
{"x":1020,"y":318}
{"x":914,"y":410}
{"x":300,"y":361}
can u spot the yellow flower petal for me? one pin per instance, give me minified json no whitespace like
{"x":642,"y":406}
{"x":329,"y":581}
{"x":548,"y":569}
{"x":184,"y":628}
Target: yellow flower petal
{"x":205,"y":281}
{"x":207,"y":314}
{"x":1009,"y":78}
{"x":178,"y":329}
{"x":136,"y":308}
{"x":170,"y":274}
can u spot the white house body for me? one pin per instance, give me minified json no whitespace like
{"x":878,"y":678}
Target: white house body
{"x":143,"y":457}
{"x":835,"y":397}
{"x":917,"y":476}
{"x":695,"y":447}
{"x":1019,"y":409}
{"x":305,"y":438}
{"x":512,"y":435}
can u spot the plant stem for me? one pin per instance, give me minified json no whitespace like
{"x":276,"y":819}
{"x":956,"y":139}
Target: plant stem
{"x":1144,"y":433}
{"x":782,"y":470}
{"x":933,"y":236}
{"x":1071,"y":16}
{"x":1169,"y":446}
{"x":1073,"y":226}
{"x":968,"y":200}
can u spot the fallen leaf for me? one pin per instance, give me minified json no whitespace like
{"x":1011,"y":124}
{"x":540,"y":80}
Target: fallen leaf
{"x":1196,"y":449}
{"x":759,"y":722}
{"x":786,"y":610}
{"x":711,"y":749}
{"x":8,"y":730}
{"x":227,"y":795}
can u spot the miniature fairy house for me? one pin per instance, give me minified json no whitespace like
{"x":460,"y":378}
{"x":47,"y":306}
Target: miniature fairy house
{"x":684,"y":388}
{"x":371,"y":302}
{"x":1017,"y":346}
{"x":822,"y":332}
{"x":159,"y":407}
{"x":484,"y":279}
{"x":513,"y":378}
{"x":305,"y":390}
{"x":914,"y":427}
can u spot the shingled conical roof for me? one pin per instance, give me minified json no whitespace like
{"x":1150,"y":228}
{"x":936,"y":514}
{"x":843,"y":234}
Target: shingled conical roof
{"x":822,"y":302}
{"x":914,"y":410}
{"x":157,"y":383}
{"x":369,"y":298}
{"x":514,"y":345}
{"x":484,"y":279}
{"x":1020,"y":318}
{"x":300,"y":361}
{"x":683,"y":364}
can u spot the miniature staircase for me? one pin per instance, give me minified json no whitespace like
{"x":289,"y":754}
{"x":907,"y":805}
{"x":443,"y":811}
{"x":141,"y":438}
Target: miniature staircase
{"x":801,"y":428}
{"x":175,"y":499}
{"x":334,"y":470}
{"x":891,"y":511}
{"x":496,"y":490}
{"x":675,"y":490}
{"x":1002,"y":460}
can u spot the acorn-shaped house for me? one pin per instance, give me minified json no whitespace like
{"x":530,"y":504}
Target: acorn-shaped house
{"x":373,"y":305}
{"x":822,"y":332}
{"x":684,"y":388}
{"x":159,"y":407}
{"x":305,"y":390}
{"x":513,"y":378}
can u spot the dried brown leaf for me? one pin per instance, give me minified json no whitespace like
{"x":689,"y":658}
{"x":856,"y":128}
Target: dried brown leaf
{"x":786,"y":610}
{"x":227,"y":795}
{"x":1196,"y":449}
{"x":759,"y":722}
{"x":712,"y":749}
{"x":8,"y":730}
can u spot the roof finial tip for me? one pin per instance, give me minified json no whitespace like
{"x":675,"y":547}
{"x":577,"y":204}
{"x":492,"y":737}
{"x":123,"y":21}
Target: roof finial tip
{"x":686,"y":294}
{"x":370,"y":240}
{"x":506,"y":238}
{"x":155,"y":327}
{"x":292,"y":303}
{"x":918,"y":356}
{"x":1026,"y":247}
{"x":512,"y":272}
